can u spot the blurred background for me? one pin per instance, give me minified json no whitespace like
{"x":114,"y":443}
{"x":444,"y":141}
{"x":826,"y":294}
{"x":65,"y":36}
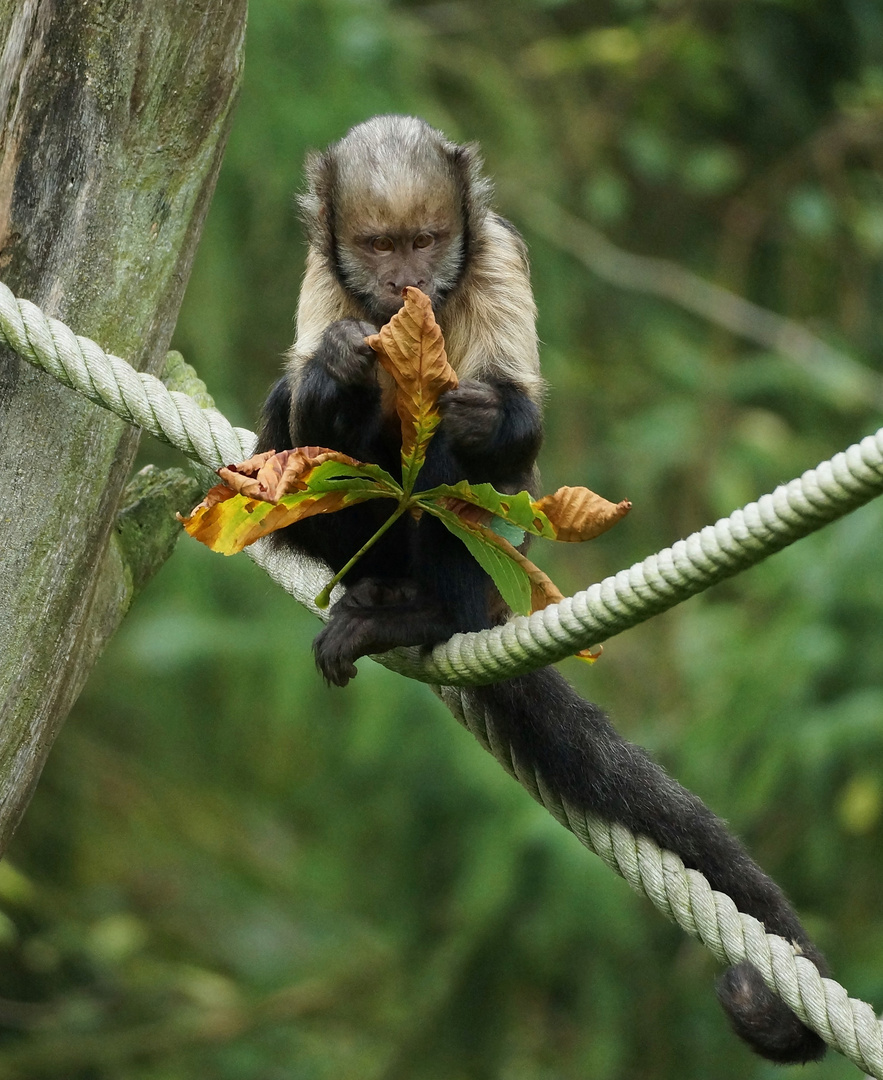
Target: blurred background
{"x":231,"y":872}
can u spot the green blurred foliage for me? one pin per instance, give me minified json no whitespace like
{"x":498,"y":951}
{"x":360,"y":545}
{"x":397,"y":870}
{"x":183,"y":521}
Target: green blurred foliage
{"x":231,"y":872}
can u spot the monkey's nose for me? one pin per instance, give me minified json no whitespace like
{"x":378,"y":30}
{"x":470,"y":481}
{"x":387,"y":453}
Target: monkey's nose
{"x":416,"y":283}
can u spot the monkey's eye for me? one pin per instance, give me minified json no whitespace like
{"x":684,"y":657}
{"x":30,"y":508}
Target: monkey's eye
{"x":424,"y":240}
{"x":382,"y":244}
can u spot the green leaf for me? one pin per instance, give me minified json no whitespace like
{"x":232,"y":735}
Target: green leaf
{"x":518,"y":510}
{"x":511,"y":533}
{"x":509,"y":577}
{"x":332,"y":475}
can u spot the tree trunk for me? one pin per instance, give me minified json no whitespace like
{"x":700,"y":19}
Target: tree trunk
{"x":113,"y":119}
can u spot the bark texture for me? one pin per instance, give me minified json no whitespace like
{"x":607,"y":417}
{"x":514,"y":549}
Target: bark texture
{"x":113,"y":119}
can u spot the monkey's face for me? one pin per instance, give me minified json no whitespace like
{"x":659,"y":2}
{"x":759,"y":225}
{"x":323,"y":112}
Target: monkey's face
{"x":378,"y":265}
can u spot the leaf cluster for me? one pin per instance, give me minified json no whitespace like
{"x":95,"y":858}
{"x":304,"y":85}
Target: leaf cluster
{"x":273,"y":490}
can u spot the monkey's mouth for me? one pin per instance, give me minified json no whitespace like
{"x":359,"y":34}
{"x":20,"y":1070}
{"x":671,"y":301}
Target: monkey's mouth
{"x":389,"y":305}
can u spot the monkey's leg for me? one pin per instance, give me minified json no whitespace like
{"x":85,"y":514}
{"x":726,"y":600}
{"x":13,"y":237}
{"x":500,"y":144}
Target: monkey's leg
{"x":374,"y":615}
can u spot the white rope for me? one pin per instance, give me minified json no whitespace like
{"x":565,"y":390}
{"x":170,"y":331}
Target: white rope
{"x":833,"y":489}
{"x":523,"y":644}
{"x":847,"y":1024}
{"x":661,"y":581}
{"x":141,"y":399}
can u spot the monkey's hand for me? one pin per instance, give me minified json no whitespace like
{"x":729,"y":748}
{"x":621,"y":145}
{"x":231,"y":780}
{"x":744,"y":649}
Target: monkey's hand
{"x":471,"y":415}
{"x":345,"y":354}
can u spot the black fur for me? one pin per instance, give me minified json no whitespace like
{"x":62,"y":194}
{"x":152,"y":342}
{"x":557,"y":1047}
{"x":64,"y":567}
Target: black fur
{"x":418,"y":585}
{"x":496,"y":430}
{"x":443,"y":584}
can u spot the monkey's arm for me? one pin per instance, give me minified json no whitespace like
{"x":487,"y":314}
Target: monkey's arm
{"x":332,"y":400}
{"x":336,"y":398}
{"x":494,"y":430}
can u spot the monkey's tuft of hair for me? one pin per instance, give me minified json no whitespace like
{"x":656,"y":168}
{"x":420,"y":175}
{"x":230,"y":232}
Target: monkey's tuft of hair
{"x":391,"y":162}
{"x":763,"y":1020}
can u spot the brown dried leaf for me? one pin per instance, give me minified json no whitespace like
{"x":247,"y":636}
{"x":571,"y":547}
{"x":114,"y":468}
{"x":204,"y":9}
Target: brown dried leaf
{"x":411,"y":348}
{"x":543,"y":591}
{"x":471,"y":513}
{"x":269,"y":476}
{"x":579,"y":514}
{"x":219,"y":493}
{"x":271,"y":491}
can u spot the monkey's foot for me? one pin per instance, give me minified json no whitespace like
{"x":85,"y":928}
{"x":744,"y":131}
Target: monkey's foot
{"x":373,"y":616}
{"x":333,"y":658}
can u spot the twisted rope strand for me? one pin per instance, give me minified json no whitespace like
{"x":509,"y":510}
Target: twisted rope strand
{"x":732,"y":544}
{"x":848,"y":1025}
{"x":139,"y":398}
{"x":661,"y":581}
{"x":589,"y":617}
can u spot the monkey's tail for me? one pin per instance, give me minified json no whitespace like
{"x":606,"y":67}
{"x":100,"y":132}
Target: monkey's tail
{"x":579,"y":753}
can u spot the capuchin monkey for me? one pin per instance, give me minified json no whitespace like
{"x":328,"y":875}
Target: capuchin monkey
{"x":395,"y":204}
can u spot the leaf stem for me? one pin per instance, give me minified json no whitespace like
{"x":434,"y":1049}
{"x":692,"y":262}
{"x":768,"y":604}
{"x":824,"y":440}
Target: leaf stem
{"x":324,"y":597}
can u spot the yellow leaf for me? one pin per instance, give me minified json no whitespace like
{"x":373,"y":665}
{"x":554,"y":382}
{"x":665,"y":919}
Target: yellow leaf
{"x":591,"y":655}
{"x":227,"y":521}
{"x":271,"y":491}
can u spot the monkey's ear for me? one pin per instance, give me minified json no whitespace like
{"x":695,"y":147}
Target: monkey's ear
{"x":476,"y":188}
{"x":316,"y":203}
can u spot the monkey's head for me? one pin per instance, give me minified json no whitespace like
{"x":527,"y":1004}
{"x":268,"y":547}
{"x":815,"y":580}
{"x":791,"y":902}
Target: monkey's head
{"x":393,"y":204}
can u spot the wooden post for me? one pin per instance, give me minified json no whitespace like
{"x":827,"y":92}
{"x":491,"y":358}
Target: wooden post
{"x":113,"y":121}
